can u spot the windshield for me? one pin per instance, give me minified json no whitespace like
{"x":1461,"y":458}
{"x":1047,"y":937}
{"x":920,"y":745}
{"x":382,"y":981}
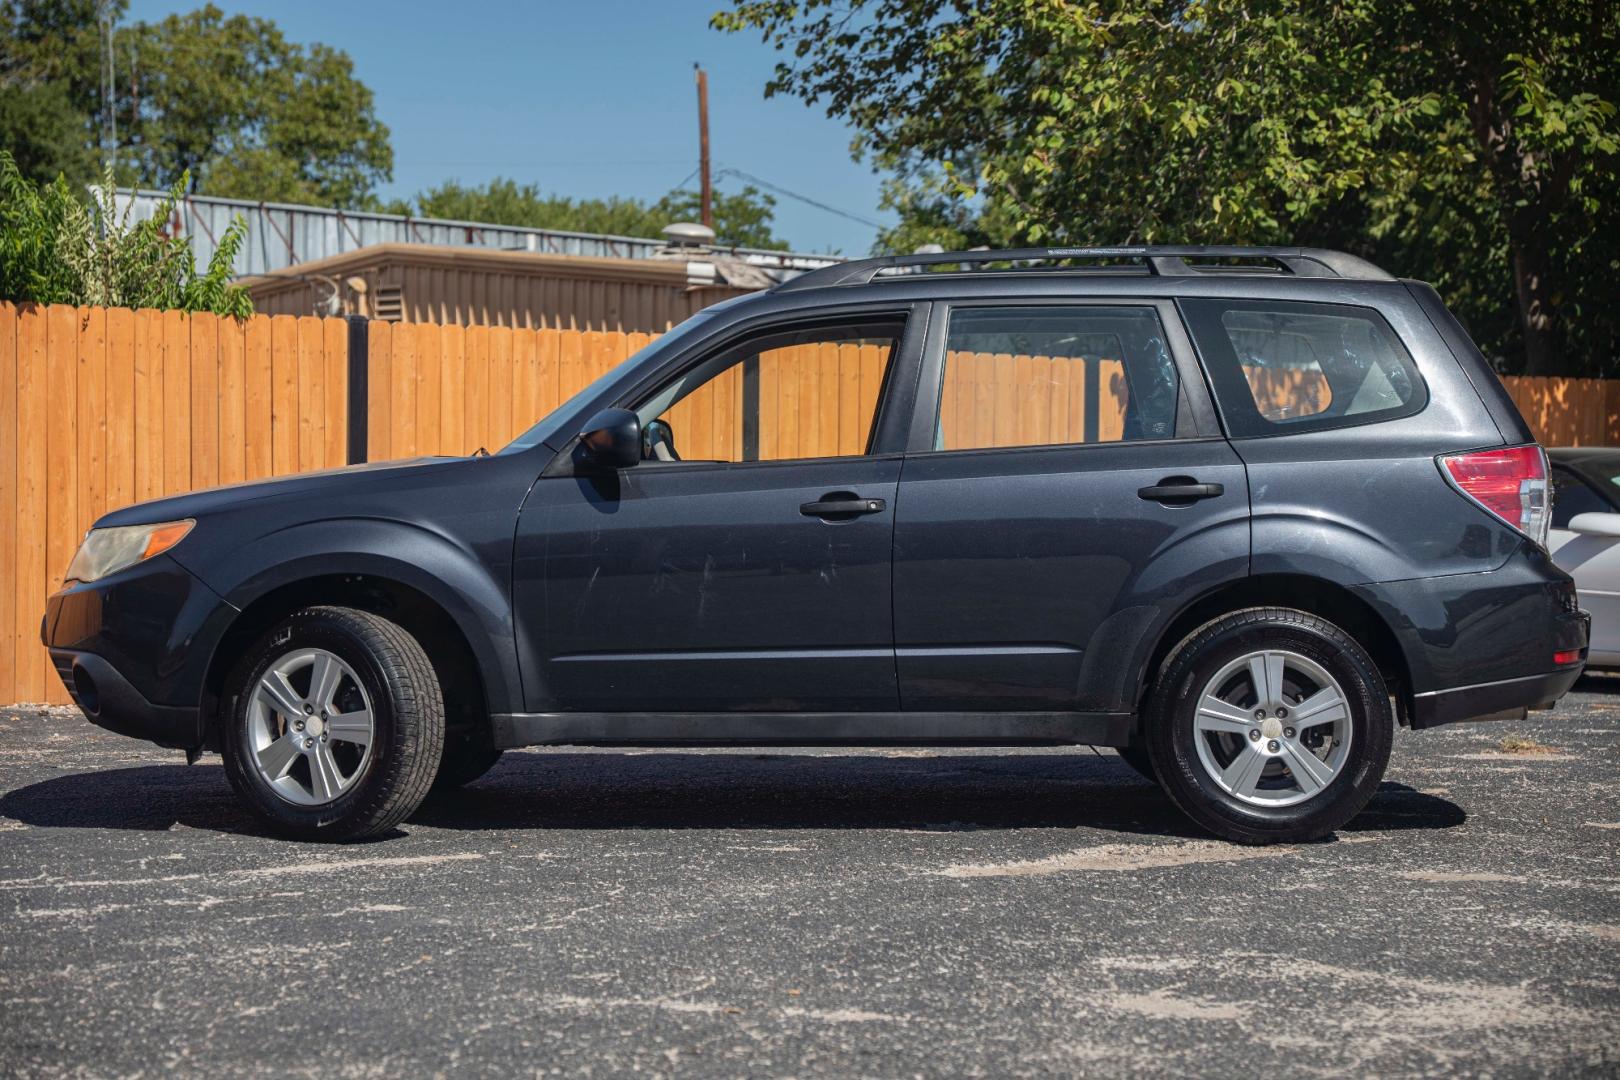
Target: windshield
{"x":546,"y":431}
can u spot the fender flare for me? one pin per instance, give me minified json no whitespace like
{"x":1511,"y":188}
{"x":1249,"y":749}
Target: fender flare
{"x":477,"y":601}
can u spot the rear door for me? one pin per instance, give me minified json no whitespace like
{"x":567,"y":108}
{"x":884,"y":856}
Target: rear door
{"x":1066,"y":492}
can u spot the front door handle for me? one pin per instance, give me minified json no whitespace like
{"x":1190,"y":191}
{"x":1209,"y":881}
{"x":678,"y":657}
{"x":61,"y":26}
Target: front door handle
{"x":1180,"y":491}
{"x":841,"y":504}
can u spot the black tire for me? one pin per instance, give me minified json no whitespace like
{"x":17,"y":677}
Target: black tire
{"x":407,"y":710}
{"x":1137,"y":758}
{"x":1200,"y":657}
{"x":465,"y":760}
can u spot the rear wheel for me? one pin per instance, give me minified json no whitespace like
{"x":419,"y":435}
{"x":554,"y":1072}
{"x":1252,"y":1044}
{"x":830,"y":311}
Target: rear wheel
{"x":1270,"y":725}
{"x":335,"y":725}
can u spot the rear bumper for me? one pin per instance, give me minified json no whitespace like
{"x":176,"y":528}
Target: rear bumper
{"x":1481,"y":645}
{"x":1506,"y":699}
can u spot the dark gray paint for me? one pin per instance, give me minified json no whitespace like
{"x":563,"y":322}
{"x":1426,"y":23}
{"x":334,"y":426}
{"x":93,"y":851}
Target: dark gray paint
{"x":1018,"y":576}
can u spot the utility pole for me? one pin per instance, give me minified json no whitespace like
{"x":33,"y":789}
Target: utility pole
{"x":703,"y":144}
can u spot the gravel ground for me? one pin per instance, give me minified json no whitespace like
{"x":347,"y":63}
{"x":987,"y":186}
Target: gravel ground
{"x":882,"y":913}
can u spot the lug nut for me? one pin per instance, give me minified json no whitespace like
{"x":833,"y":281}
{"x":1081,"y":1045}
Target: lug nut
{"x":309,"y":709}
{"x":1289,"y":732}
{"x":298,"y":725}
{"x":1273,"y":746}
{"x":309,"y":744}
{"x":323,"y":736}
{"x":1282,"y":714}
{"x":1254,"y":734}
{"x":1259,"y":714}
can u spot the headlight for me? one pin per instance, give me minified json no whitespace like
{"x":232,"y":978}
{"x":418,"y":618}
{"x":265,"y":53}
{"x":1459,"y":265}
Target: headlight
{"x":107,"y":551}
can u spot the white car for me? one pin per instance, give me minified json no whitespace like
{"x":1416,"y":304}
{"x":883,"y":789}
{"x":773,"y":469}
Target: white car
{"x":1585,"y":539}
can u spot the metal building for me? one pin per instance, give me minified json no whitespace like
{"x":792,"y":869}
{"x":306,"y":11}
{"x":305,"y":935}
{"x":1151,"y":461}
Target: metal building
{"x":281,"y":235}
{"x":476,"y":286}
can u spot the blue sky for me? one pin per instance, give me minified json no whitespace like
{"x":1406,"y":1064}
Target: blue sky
{"x":584,"y":98}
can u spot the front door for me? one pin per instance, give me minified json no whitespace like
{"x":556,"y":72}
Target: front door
{"x":745,"y":563}
{"x":1058,"y":509}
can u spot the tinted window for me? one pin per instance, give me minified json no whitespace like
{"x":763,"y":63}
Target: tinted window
{"x":1571,"y":496}
{"x":780,"y":396}
{"x":1288,"y":366}
{"x":1041,"y":376}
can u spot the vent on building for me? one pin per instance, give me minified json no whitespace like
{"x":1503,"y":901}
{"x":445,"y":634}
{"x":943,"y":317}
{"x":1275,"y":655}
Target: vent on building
{"x":389,"y":305}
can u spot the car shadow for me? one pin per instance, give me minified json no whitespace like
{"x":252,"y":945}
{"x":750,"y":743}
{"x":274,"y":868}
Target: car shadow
{"x":925,"y":791}
{"x":1595,"y":682}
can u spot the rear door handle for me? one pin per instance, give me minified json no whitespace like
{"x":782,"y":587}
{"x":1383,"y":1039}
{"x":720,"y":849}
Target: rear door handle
{"x":841,"y":505}
{"x":1180,"y":489}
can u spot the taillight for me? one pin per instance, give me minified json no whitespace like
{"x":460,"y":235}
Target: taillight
{"x":1511,"y":483}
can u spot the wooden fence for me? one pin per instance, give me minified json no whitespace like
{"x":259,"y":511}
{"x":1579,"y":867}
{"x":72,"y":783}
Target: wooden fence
{"x":100,"y":408}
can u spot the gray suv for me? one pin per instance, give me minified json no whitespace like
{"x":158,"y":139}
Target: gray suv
{"x":1237,"y":512}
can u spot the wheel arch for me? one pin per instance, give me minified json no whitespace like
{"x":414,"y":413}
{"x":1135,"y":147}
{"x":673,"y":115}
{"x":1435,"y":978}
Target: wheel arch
{"x":468,"y":675}
{"x":1318,"y":596}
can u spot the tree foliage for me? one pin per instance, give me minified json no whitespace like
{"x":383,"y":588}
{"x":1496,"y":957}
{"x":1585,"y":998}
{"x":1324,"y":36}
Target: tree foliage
{"x":48,"y":76}
{"x":54,"y":249}
{"x":249,"y":113}
{"x":1469,"y":142}
{"x":741,"y":219}
{"x":225,"y":100}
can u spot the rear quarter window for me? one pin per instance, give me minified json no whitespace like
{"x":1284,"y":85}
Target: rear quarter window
{"x":1282,"y":366}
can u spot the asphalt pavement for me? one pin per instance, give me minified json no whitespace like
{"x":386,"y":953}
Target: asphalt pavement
{"x":815,"y":914}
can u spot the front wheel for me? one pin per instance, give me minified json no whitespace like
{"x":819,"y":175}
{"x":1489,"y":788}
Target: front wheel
{"x":1270,"y":725}
{"x":334,"y":725}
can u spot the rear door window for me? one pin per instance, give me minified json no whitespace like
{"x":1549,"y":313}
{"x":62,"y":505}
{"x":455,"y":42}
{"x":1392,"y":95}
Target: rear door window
{"x":1044,"y":375}
{"x":1280,"y":366}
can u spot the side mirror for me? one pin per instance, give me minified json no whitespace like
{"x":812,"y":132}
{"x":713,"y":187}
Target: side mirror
{"x":1596,"y":524}
{"x":612,"y":439}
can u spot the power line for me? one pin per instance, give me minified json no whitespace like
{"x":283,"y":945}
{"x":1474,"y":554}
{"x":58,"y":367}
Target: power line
{"x":687,"y":180}
{"x":767,"y":185}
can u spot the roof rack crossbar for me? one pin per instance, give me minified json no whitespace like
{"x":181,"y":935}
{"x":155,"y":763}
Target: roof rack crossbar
{"x":1159,"y":260}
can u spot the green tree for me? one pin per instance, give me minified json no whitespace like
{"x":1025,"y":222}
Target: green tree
{"x":741,"y":219}
{"x":227,"y":100}
{"x":1471,"y":142}
{"x":49,"y":68}
{"x":249,"y":114}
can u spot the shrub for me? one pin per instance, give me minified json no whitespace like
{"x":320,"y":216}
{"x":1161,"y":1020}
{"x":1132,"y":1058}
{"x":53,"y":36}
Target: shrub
{"x":54,"y":249}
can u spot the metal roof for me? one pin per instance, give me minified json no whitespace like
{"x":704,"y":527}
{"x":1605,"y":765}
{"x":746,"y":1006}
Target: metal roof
{"x":281,"y":235}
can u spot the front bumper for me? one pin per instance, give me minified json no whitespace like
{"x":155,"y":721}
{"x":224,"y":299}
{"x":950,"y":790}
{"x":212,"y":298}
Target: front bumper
{"x":109,"y":700}
{"x":133,"y":649}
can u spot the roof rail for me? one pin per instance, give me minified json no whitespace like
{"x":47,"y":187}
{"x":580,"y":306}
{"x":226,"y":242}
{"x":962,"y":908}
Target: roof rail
{"x":1162,"y":261}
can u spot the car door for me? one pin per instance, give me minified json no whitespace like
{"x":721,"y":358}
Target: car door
{"x":745,"y":562}
{"x":1070,"y":493}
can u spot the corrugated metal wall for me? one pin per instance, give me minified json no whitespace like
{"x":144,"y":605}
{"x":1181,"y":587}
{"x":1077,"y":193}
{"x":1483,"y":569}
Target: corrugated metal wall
{"x":280,"y":235}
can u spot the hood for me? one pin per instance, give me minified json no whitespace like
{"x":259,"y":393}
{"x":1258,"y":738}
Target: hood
{"x":326,"y":482}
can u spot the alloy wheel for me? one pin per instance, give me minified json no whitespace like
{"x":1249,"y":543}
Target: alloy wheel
{"x":1272,"y":728}
{"x":310,"y":727}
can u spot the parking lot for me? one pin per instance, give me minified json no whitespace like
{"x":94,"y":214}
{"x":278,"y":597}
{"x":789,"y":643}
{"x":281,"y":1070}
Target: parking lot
{"x":816,"y":913}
